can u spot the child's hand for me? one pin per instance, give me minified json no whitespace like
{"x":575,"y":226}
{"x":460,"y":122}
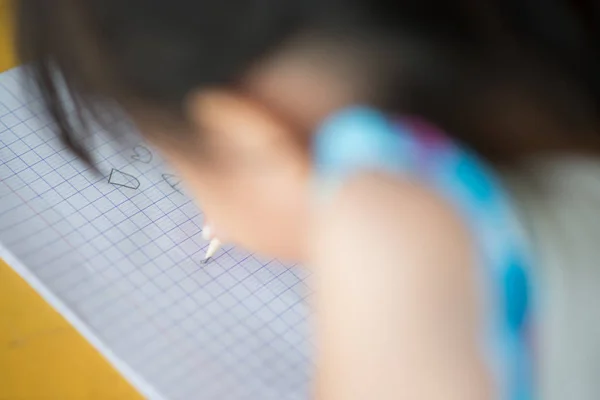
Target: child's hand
{"x":396,"y":313}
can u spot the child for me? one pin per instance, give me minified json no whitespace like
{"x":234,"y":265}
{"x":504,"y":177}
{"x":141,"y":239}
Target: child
{"x":311,"y":130}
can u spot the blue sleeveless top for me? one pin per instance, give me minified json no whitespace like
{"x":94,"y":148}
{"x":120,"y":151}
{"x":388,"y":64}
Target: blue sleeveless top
{"x":359,"y":139}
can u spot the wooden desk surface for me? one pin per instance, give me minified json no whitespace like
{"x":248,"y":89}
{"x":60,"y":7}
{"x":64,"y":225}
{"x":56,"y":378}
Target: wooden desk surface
{"x":42,"y":357}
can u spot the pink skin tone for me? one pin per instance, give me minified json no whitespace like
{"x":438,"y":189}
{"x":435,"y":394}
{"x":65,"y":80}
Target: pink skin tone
{"x":395,"y":310}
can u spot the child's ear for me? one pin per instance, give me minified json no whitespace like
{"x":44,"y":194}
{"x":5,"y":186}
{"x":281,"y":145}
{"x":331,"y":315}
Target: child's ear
{"x":240,"y":128}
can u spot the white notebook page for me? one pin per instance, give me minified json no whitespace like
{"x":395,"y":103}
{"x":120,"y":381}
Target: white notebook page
{"x":119,"y":255}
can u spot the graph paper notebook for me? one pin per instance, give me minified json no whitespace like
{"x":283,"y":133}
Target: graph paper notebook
{"x":119,"y":255}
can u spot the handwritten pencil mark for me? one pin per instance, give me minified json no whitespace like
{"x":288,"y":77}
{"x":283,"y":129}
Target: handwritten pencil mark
{"x":123,"y":179}
{"x":141,"y":154}
{"x":173,"y":181}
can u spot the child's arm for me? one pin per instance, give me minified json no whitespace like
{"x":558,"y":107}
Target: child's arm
{"x":396,"y":310}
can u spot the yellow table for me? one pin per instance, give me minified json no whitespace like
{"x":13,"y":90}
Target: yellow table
{"x":42,"y":357}
{"x":6,"y":59}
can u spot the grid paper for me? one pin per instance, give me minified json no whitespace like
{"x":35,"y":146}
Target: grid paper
{"x":119,"y":255}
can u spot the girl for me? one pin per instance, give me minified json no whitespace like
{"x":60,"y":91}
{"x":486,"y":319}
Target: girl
{"x":312,"y":131}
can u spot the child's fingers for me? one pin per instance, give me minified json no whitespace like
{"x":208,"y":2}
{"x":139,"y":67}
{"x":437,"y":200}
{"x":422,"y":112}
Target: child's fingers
{"x":207,"y":232}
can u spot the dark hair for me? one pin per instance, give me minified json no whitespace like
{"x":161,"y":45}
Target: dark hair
{"x":151,"y":53}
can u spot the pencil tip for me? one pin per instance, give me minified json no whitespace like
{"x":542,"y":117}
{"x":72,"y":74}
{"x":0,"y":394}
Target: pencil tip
{"x":206,"y":260}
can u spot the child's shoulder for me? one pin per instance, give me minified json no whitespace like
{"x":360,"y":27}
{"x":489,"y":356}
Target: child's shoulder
{"x":361,"y":139}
